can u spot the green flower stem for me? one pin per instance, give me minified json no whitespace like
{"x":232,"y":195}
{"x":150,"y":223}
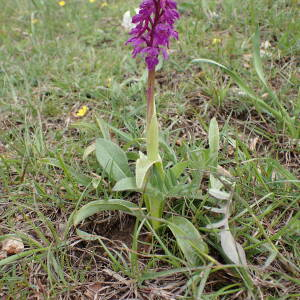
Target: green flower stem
{"x":152,"y":128}
{"x":150,"y":96}
{"x":152,"y":123}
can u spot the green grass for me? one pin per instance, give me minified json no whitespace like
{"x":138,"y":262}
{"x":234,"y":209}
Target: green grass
{"x":75,"y":55}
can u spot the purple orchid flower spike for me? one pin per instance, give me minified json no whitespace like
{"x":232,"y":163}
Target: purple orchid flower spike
{"x":150,"y":37}
{"x":153,"y":30}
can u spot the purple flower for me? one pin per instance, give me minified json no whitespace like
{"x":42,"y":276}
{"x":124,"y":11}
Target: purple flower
{"x":153,"y":30}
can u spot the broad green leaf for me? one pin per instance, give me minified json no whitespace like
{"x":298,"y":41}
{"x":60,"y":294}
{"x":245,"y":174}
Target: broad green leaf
{"x":219,"y":194}
{"x":126,"y":184}
{"x":233,"y":250}
{"x":90,"y":149}
{"x":112,"y":159}
{"x":188,"y":239}
{"x":215,"y":182}
{"x":100,"y":205}
{"x":143,"y":165}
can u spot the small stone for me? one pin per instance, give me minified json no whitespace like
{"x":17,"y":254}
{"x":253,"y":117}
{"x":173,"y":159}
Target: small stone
{"x":12,"y":245}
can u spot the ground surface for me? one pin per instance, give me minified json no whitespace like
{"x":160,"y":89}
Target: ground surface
{"x":54,"y":59}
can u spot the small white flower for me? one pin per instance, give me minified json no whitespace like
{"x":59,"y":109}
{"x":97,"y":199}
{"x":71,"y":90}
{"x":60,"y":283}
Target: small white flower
{"x":213,"y":15}
{"x":264,"y":46}
{"x":127,"y":20}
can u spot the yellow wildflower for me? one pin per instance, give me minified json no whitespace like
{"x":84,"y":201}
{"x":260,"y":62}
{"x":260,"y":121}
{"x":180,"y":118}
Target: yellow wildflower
{"x":104,"y":4}
{"x":34,"y":21}
{"x":92,"y":1}
{"x":216,"y":41}
{"x":62,"y":3}
{"x":82,"y":111}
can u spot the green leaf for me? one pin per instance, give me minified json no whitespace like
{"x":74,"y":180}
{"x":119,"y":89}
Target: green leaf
{"x":257,"y":59}
{"x":54,"y":267}
{"x":188,"y":239}
{"x":5,"y":236}
{"x":153,"y":139}
{"x":155,"y":202}
{"x":143,"y":165}
{"x":100,"y":205}
{"x":112,"y":159}
{"x":90,"y":149}
{"x":103,"y":127}
{"x":221,"y":195}
{"x":126,"y":184}
{"x":13,"y":258}
{"x":233,"y":250}
{"x":189,"y":190}
{"x":214,"y":141}
{"x":87,"y":236}
{"x":178,"y":169}
{"x":168,"y":149}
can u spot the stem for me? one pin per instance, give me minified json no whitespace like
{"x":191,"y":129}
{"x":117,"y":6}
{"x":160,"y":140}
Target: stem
{"x":152,"y":128}
{"x":150,"y":96}
{"x":152,"y":124}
